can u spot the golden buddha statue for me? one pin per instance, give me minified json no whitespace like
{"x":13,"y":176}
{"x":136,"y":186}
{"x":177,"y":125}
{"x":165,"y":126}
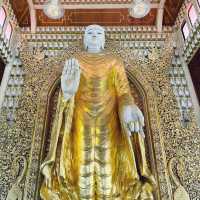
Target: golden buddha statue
{"x":91,"y":156}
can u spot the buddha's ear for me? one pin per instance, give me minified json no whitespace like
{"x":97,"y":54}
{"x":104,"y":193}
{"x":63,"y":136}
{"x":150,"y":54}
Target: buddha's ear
{"x":85,"y":46}
{"x":103,"y":43}
{"x":85,"y":42}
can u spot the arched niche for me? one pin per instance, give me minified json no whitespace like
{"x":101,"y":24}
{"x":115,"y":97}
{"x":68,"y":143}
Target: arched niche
{"x":43,"y":120}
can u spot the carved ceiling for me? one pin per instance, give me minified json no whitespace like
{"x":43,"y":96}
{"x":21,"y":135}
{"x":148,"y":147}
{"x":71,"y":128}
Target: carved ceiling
{"x":103,"y":12}
{"x":171,"y":10}
{"x":21,"y":10}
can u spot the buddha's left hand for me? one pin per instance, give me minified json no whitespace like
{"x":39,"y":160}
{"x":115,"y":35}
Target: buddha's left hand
{"x":134,"y":119}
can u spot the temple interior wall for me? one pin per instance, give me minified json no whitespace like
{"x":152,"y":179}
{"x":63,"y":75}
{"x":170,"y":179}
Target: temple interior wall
{"x":19,"y":86}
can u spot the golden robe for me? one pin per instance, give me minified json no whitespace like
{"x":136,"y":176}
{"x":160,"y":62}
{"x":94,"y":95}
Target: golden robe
{"x":90,"y":154}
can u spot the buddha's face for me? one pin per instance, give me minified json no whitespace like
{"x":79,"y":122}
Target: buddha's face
{"x":94,"y":37}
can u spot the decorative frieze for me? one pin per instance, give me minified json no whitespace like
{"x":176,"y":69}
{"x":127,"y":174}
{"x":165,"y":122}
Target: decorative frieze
{"x":54,"y":40}
{"x":60,"y":29}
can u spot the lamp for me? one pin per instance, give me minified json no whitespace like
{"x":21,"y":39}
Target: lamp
{"x":140,"y":8}
{"x":53,"y":9}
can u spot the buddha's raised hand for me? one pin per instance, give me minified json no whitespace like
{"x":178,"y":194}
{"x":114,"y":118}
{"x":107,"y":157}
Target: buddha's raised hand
{"x":70,"y":78}
{"x":133,"y":119}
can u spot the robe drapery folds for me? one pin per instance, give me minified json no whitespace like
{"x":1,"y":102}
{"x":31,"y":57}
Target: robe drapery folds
{"x":91,"y":154}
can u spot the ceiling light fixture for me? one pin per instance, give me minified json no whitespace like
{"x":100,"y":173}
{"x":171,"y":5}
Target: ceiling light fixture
{"x":53,"y":9}
{"x":140,"y":8}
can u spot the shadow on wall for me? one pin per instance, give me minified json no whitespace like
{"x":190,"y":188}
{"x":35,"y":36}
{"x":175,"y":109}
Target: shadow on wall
{"x":2,"y":68}
{"x":194,"y":67}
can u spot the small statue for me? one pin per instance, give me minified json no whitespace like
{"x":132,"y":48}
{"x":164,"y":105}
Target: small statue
{"x":180,"y":192}
{"x":15,"y":193}
{"x":91,"y":154}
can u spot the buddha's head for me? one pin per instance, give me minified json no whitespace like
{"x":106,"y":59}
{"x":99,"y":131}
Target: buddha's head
{"x":94,"y":38}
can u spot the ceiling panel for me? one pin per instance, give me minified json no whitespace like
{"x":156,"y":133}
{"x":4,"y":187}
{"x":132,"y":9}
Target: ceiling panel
{"x":115,"y":17}
{"x":82,"y":17}
{"x":171,"y":10}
